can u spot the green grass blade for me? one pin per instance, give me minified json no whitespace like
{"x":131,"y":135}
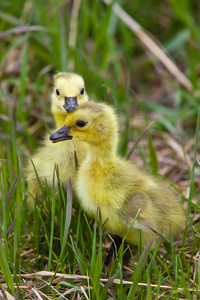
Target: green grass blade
{"x":153,"y":156}
{"x":53,"y":205}
{"x":23,"y":76}
{"x":138,"y":271}
{"x":192,"y":188}
{"x":68,"y":217}
{"x":6,"y":269}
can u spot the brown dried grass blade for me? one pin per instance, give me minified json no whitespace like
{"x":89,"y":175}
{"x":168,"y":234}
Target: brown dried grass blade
{"x":152,"y":46}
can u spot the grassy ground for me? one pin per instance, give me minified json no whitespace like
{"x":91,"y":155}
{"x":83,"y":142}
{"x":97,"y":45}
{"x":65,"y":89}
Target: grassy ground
{"x":58,"y":253}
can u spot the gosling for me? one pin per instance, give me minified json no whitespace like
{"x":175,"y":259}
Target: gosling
{"x":117,"y":186}
{"x":68,"y":93}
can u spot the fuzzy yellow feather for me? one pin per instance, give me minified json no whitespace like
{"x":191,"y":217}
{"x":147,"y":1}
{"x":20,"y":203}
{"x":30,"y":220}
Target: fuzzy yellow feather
{"x":66,"y":85}
{"x":118,"y":186}
{"x":68,"y":93}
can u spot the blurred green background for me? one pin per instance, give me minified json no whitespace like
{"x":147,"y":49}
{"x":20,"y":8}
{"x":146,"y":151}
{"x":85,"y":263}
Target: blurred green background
{"x":40,"y":38}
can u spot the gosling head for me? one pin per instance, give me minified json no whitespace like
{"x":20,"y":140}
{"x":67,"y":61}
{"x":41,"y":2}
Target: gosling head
{"x":68,"y":92}
{"x":94,"y":123}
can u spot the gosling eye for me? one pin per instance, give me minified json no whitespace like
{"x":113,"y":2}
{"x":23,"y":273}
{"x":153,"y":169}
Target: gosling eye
{"x":82,"y":91}
{"x":80,"y":123}
{"x":58,"y":93}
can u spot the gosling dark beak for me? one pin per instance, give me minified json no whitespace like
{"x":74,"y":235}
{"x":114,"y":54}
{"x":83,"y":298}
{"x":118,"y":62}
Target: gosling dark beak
{"x":70,"y":104}
{"x":60,"y":135}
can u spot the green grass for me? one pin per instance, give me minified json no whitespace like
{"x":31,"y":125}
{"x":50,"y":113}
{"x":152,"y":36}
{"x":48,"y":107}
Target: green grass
{"x":57,"y":238}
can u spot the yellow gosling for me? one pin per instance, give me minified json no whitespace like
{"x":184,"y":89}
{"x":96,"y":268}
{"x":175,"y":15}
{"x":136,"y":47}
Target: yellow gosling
{"x":68,"y":93}
{"x":118,"y":186}
{"x":69,"y":89}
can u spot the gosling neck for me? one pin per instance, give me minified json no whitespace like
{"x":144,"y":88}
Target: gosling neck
{"x":102,"y":154}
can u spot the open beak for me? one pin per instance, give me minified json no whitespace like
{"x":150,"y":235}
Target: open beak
{"x":60,"y":135}
{"x":70,"y":104}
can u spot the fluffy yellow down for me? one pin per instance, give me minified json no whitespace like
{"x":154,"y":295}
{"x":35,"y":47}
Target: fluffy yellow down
{"x":118,"y":186}
{"x":62,"y":154}
{"x":69,"y":85}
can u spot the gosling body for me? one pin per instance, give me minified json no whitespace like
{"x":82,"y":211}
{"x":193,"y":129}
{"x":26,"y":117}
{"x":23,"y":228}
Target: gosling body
{"x":67,"y":86}
{"x":117,"y":186}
